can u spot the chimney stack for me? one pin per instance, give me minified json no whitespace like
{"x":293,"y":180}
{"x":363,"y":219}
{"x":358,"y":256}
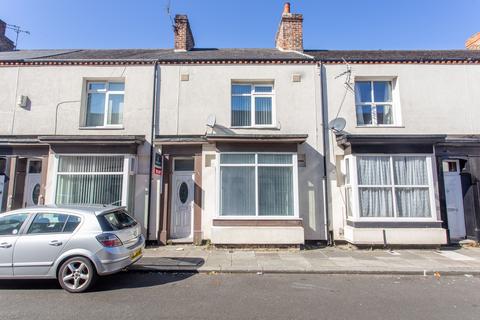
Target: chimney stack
{"x":183,"y":34}
{"x":290,"y":32}
{"x":473,"y":43}
{"x":5,"y":43}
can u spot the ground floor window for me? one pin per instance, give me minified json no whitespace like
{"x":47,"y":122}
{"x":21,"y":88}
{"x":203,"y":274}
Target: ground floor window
{"x":390,"y":186}
{"x":88,"y":179}
{"x":257,"y":184}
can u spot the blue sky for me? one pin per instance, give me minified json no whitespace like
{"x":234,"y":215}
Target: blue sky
{"x":328,"y":24}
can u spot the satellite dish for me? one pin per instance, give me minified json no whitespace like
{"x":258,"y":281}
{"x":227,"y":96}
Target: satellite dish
{"x":211,"y":120}
{"x":337,"y":124}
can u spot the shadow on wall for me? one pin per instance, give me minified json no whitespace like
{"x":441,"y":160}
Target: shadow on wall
{"x":310,"y":188}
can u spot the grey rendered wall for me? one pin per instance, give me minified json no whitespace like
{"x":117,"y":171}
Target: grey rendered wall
{"x":64,"y":86}
{"x":431,"y":99}
{"x":185,"y":105}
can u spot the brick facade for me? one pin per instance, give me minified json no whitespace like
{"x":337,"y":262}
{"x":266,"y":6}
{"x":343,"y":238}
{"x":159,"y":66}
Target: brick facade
{"x":473,"y":43}
{"x":183,"y":34}
{"x":290,"y":31}
{"x":5,"y":43}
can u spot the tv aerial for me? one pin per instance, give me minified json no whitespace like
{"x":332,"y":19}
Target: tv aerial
{"x":17,"y":30}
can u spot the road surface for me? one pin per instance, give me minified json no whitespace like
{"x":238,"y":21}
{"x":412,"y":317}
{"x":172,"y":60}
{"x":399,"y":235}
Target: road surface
{"x":133,"y":295}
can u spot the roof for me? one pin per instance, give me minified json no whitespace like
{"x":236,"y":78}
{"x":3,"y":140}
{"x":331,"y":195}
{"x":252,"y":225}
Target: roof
{"x":238,"y":55}
{"x":165,"y":55}
{"x":92,"y":139}
{"x":346,"y":139}
{"x":394,"y":55}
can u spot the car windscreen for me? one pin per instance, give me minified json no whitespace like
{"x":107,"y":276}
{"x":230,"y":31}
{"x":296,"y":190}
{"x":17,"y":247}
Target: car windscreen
{"x":115,"y":220}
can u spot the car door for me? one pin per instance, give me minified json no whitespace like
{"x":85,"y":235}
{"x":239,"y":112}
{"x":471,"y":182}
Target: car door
{"x":10,"y":227}
{"x":36,"y":250}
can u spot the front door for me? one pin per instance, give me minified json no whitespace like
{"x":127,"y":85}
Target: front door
{"x":454,"y":199}
{"x":32,"y":183}
{"x":182,"y":199}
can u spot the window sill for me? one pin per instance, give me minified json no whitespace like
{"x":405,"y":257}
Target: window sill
{"x":257,"y":127}
{"x":103,"y":128}
{"x":255,"y":222}
{"x":257,"y":218}
{"x":387,"y":224}
{"x":381,"y":126}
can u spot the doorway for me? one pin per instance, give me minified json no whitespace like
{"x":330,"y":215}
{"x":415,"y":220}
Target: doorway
{"x":33,"y":180}
{"x":182,"y":195}
{"x":454,"y":199}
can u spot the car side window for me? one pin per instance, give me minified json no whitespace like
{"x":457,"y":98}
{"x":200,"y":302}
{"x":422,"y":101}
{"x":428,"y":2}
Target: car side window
{"x":11,"y":224}
{"x":48,"y":223}
{"x":72,"y":224}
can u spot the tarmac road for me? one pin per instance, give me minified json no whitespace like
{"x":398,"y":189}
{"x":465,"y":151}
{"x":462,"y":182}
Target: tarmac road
{"x":135,"y":295}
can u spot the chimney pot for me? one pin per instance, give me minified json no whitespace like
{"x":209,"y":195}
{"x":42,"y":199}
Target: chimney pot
{"x":183,"y":34}
{"x":286,"y":8}
{"x":473,"y":43}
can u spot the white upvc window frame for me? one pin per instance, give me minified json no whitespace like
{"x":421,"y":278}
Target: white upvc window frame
{"x":107,"y":93}
{"x":394,"y":103}
{"x":252,"y":96}
{"x":355,"y":189}
{"x":293,"y":165}
{"x":129,"y":164}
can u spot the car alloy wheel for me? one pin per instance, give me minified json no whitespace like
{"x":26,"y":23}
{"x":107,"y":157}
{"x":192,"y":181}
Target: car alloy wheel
{"x":76,"y":274}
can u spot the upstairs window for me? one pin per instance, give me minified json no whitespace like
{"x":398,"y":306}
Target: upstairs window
{"x":252,"y":105}
{"x":374,"y":103}
{"x":104,"y":104}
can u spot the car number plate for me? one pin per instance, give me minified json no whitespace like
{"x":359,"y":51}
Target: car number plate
{"x":135,"y":254}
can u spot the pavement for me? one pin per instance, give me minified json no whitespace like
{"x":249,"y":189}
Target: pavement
{"x":327,"y":260}
{"x":139,"y":295}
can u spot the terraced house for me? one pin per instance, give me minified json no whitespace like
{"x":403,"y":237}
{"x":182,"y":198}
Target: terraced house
{"x":272,"y":146}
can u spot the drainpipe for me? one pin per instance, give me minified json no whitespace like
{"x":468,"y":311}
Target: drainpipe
{"x":326,"y":153}
{"x":152,"y":137}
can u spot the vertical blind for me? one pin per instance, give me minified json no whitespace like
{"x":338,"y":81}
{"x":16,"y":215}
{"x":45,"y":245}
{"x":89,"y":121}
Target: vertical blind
{"x":256,"y":184}
{"x":407,"y":194}
{"x":252,"y":100}
{"x":90,"y":180}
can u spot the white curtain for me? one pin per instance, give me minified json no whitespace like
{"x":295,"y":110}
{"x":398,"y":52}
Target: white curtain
{"x":410,"y":170}
{"x":375,"y":202}
{"x":373,"y":170}
{"x":410,"y":184}
{"x":411,"y":201}
{"x":81,"y":180}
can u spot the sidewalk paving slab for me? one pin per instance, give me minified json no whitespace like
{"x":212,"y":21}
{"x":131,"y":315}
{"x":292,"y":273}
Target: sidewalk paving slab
{"x":329,"y":260}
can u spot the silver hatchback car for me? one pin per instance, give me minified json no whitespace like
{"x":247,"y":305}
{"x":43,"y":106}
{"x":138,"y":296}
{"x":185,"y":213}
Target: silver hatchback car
{"x":74,"y":244}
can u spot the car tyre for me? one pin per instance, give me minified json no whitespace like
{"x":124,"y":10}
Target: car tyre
{"x":77,"y":275}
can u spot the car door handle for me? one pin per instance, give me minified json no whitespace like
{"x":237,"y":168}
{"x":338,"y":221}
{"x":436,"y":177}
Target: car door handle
{"x":5,"y":245}
{"x":55,"y":243}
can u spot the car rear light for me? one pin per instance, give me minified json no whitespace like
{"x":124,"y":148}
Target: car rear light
{"x":109,"y":240}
